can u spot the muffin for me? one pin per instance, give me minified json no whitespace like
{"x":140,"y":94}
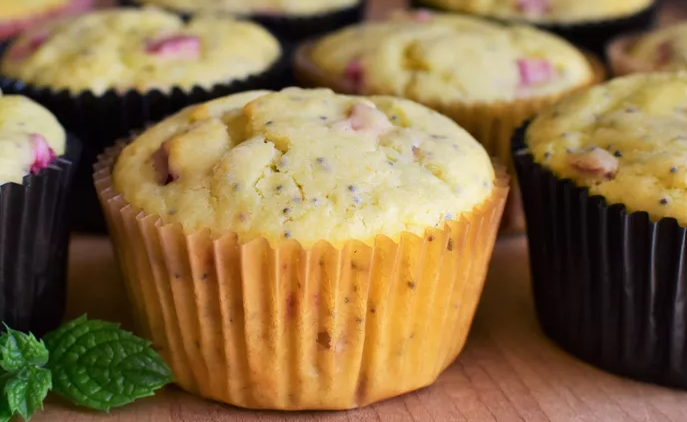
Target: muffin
{"x":587,"y":23}
{"x":17,"y":15}
{"x":602,"y":174}
{"x":488,"y":77}
{"x":662,"y":50}
{"x":106,"y":73}
{"x":35,"y":174}
{"x":291,"y":20}
{"x":315,"y":250}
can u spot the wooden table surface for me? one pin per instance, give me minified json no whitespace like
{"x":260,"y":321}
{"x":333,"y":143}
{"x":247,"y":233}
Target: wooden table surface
{"x":508,"y":372}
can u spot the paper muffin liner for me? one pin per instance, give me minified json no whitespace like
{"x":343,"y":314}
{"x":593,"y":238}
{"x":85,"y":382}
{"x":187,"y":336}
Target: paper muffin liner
{"x":492,"y":124}
{"x":10,"y":28}
{"x":293,"y":328}
{"x":620,"y":62}
{"x":593,"y":35}
{"x":99,"y":120}
{"x":34,"y":244}
{"x":609,"y":286}
{"x":292,"y":29}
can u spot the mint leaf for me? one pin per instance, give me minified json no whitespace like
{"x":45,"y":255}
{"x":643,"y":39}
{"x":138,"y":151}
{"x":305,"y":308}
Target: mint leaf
{"x":26,"y":391}
{"x":98,"y":365}
{"x":23,"y":383}
{"x":5,"y":412}
{"x":18,"y":350}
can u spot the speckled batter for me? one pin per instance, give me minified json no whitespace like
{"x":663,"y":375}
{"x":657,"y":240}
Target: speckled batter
{"x":440,"y":58}
{"x":140,"y":49}
{"x":663,"y":49}
{"x":251,"y":7}
{"x":626,"y":140}
{"x":547,"y":11}
{"x":30,"y":138}
{"x":307,"y":165}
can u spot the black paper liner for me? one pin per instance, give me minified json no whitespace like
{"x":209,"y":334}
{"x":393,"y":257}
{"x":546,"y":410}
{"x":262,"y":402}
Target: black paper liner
{"x":610,"y":287}
{"x":34,"y":244}
{"x":99,"y":120}
{"x":593,"y":36}
{"x":290,"y":29}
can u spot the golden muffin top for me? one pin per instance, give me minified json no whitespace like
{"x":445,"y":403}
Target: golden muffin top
{"x":626,"y":140}
{"x":663,"y":49}
{"x":448,"y":58}
{"x":307,"y":165}
{"x":22,"y":9}
{"x":30,"y":138}
{"x":252,"y":7}
{"x":547,"y":11}
{"x":139,"y":49}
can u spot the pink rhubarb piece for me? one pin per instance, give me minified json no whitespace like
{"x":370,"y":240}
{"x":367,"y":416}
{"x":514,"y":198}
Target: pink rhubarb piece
{"x":665,"y":52}
{"x":355,"y":74}
{"x":178,"y":46}
{"x":535,"y":7}
{"x":422,"y":15}
{"x":43,"y":155}
{"x":163,"y":173}
{"x":535,"y":71}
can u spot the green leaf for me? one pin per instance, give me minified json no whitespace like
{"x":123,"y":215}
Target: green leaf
{"x":98,"y":365}
{"x":5,"y":412}
{"x":18,"y":350}
{"x":26,"y":391}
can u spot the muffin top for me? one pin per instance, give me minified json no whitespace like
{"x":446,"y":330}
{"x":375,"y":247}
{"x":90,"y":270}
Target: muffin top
{"x":307,"y":165}
{"x":255,"y":7}
{"x":626,"y":140}
{"x":30,"y":138}
{"x":21,"y":9}
{"x":139,"y":49}
{"x":547,"y":11}
{"x":445,"y":58}
{"x":663,"y":49}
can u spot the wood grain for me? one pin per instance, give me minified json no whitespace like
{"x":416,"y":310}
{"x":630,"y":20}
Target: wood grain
{"x":508,"y":372}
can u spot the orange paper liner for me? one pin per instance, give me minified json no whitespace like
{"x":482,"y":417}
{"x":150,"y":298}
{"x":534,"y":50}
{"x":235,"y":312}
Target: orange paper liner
{"x":493,"y":124}
{"x":620,"y":62}
{"x":293,"y":328}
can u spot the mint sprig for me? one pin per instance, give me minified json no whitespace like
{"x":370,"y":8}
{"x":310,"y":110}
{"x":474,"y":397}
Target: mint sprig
{"x":23,"y":381}
{"x":91,"y":363}
{"x":97,"y":365}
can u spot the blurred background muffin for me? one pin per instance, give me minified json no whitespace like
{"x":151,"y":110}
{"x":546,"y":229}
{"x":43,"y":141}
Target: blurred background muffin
{"x":106,"y":73}
{"x":290,"y":21}
{"x":603,"y":177}
{"x":35,"y":174}
{"x":587,"y":23}
{"x":488,"y":77}
{"x":17,"y":15}
{"x":310,"y":235}
{"x":659,"y":50}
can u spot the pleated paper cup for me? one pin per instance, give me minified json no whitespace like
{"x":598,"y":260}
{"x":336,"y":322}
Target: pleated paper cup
{"x":608,"y":284}
{"x":292,"y":328}
{"x":619,"y":59}
{"x":492,"y":124}
{"x":34,"y":245}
